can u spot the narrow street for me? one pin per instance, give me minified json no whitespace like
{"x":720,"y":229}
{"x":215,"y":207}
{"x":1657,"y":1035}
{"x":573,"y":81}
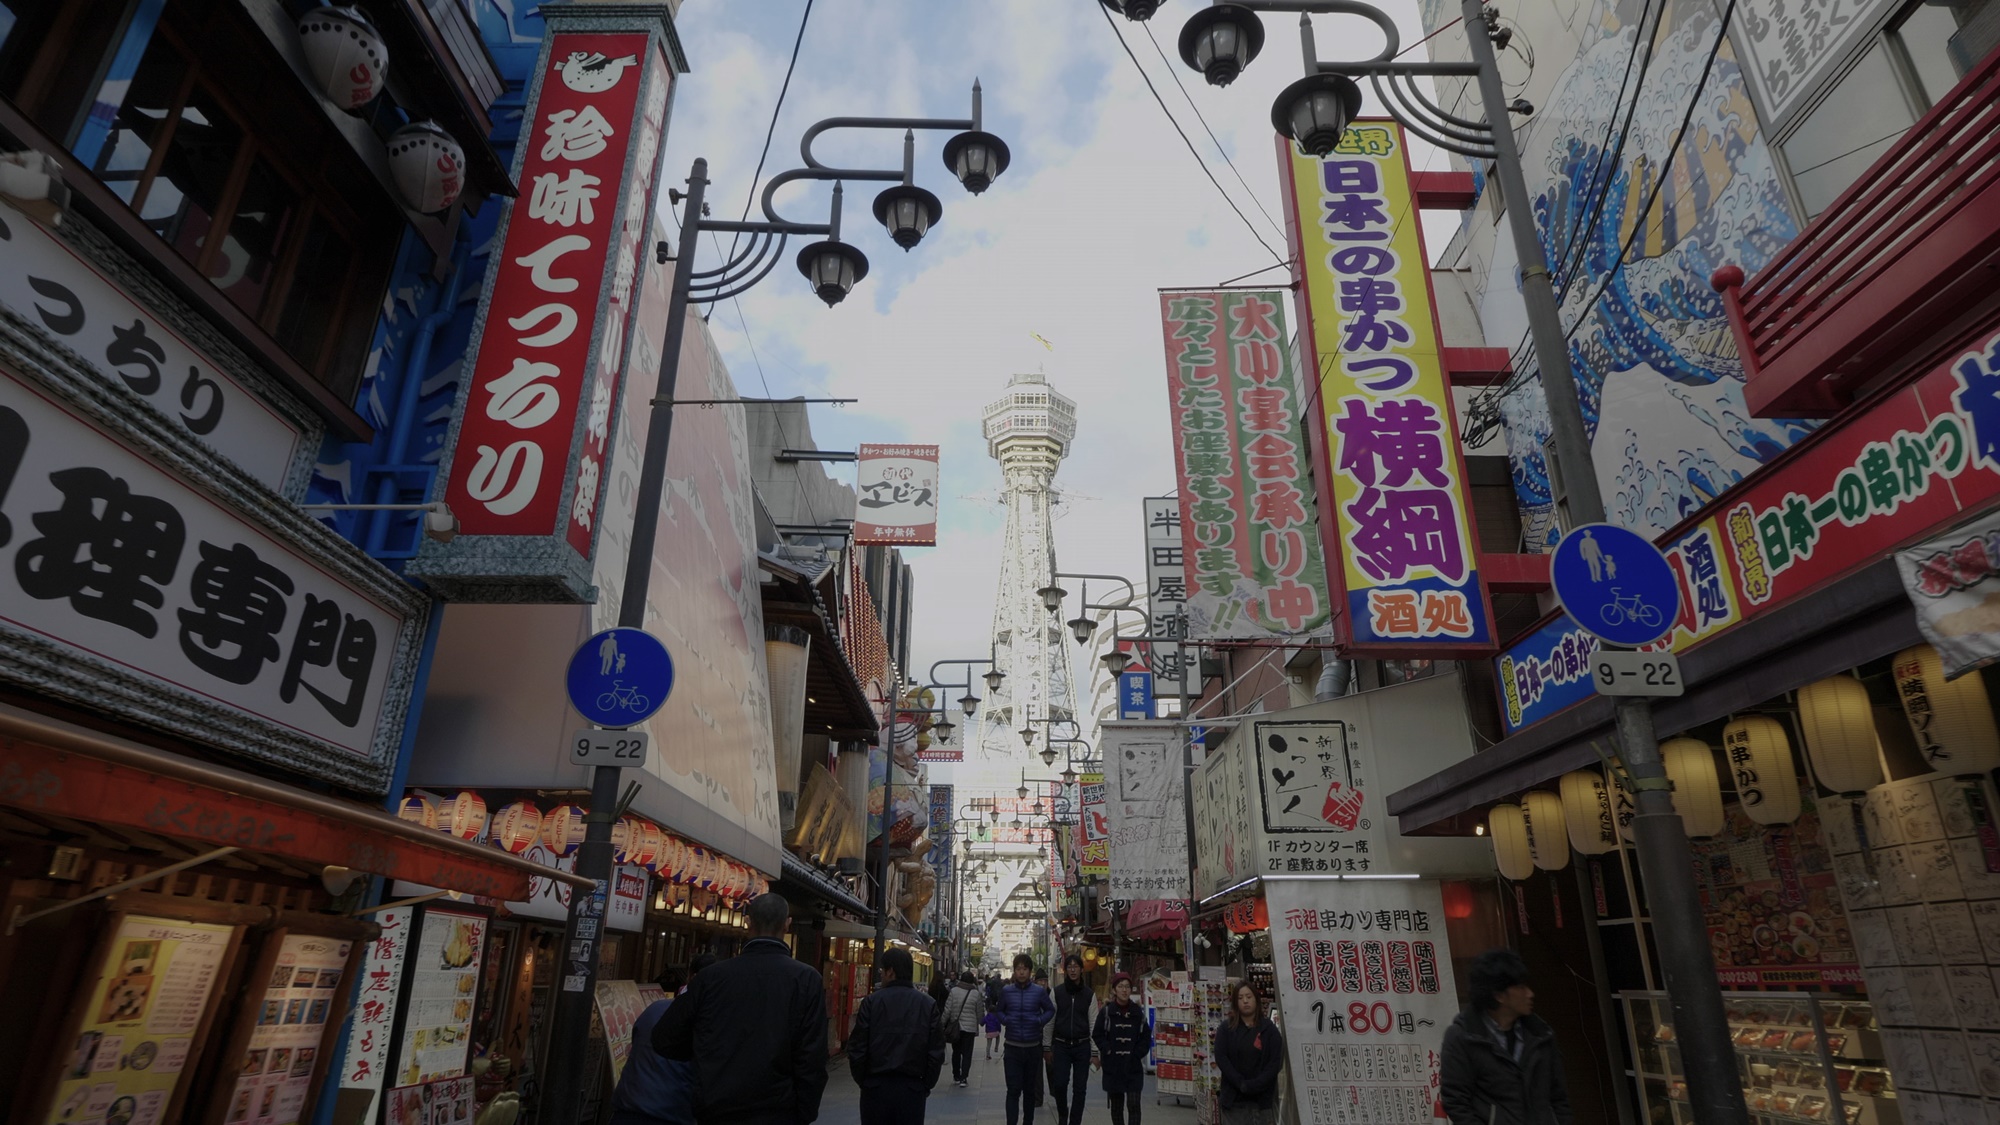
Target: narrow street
{"x":984,"y":1101}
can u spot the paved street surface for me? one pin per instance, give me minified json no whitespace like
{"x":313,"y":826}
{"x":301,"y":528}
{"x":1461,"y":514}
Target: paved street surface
{"x":984,"y":1102}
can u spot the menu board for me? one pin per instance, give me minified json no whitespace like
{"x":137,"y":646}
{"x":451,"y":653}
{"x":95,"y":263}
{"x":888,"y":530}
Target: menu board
{"x":442,"y":976}
{"x":1772,"y":904}
{"x":277,"y":1068}
{"x":139,"y":1022}
{"x":448,"y":1101}
{"x":618,"y":1006}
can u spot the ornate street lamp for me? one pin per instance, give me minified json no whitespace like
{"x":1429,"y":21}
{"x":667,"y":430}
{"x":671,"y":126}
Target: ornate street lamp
{"x":1134,"y":9}
{"x":1052,"y":597}
{"x":1220,"y":41}
{"x":1115,"y":660}
{"x":1082,"y":628}
{"x":969,"y":703}
{"x":994,"y":678}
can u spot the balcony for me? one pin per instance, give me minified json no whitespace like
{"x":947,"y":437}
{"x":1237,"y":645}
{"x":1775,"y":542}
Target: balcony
{"x":1883,"y":282}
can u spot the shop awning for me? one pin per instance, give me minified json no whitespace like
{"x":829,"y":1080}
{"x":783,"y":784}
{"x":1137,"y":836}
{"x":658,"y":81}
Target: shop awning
{"x":1849,"y":622}
{"x":1150,"y":918}
{"x":803,"y":877}
{"x":59,"y":770}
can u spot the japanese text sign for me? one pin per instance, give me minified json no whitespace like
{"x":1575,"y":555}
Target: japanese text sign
{"x":375,"y":1005}
{"x":1096,"y":828}
{"x":534,"y":429}
{"x":1394,"y":503}
{"x":1135,"y":695}
{"x":1915,"y":462}
{"x":1253,"y":557}
{"x":1786,"y":46}
{"x":1142,"y":763}
{"x":897,"y":496}
{"x":1365,"y":988}
{"x":1166,"y":598}
{"x":110,"y":556}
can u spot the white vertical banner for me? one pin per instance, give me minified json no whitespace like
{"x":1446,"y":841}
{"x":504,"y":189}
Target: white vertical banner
{"x":1148,"y":806}
{"x":1365,"y":991}
{"x":374,"y":1016}
{"x":1166,"y":595}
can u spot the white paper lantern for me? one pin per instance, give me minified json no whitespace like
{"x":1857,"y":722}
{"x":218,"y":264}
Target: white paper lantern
{"x":1760,"y":760}
{"x":1839,"y":728}
{"x":562,"y":829}
{"x":645,"y":851}
{"x":418,"y":809}
{"x":1509,"y":830}
{"x":1623,"y":805}
{"x":1548,"y":837}
{"x":1588,"y":812}
{"x":1952,"y":721}
{"x":1697,"y":788}
{"x":624,"y":834}
{"x":465,"y":818}
{"x":344,"y":54}
{"x":516,"y":826}
{"x":428,"y":164}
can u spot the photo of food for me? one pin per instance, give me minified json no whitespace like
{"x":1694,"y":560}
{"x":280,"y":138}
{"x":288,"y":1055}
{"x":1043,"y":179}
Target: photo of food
{"x":329,"y":978}
{"x":274,"y":1010}
{"x":141,"y":1056}
{"x":464,"y":943}
{"x":253,"y":1063}
{"x":126,"y":999}
{"x":295,"y":1011}
{"x":82,"y":1054}
{"x":239,"y":1109}
{"x":302,"y":1063}
{"x":281,"y":977}
{"x":317,"y":1012}
{"x":305,"y":978}
{"x":121,"y":1111}
{"x":281,"y":1060}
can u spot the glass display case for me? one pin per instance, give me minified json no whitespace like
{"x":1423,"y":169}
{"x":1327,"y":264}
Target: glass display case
{"x":1803,"y":1057}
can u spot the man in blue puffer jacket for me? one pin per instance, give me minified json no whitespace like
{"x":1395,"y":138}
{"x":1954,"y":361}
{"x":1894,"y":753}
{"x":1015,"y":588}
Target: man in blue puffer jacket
{"x":1025,"y":1008}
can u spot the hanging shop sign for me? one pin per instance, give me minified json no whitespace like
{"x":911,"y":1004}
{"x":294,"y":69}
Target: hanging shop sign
{"x":137,"y":353}
{"x":1166,"y":601}
{"x":1148,"y":853}
{"x":129,"y":590}
{"x":1096,"y":827}
{"x":1787,"y":48}
{"x":1951,"y":580}
{"x":526,"y":475}
{"x":1918,"y":460}
{"x":1224,"y":808}
{"x":896,"y":496}
{"x":366,"y":1061}
{"x":1395,"y":509}
{"x":1366,"y":990}
{"x":1247,"y":498}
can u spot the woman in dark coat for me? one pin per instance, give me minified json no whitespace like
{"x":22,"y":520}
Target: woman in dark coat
{"x":1123,"y":1042}
{"x":1250,"y":1053}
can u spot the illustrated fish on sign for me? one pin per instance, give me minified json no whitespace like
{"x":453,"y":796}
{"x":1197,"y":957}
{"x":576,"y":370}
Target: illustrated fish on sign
{"x":593,"y":72}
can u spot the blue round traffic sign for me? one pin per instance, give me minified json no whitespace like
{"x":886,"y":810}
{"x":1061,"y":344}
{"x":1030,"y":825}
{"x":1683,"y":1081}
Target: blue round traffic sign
{"x":620,"y":677}
{"x":1615,"y":584}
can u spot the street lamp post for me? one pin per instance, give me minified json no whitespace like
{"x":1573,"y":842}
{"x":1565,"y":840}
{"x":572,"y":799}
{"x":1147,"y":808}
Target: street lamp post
{"x":906,"y":211}
{"x":1222,"y":39}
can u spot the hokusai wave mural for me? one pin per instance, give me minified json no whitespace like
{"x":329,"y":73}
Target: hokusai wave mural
{"x":1657,"y":367}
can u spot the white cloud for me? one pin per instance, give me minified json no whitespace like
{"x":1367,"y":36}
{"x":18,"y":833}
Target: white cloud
{"x":1103,"y":206}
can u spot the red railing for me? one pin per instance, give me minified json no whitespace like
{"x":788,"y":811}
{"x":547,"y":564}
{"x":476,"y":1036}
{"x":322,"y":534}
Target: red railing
{"x":1905,"y":253}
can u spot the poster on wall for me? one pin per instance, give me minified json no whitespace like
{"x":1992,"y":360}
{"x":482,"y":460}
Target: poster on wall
{"x":1952,"y":581}
{"x":440,"y":978}
{"x":1366,"y":991}
{"x":1096,"y":827}
{"x":142,"y":1023}
{"x":618,"y":1006}
{"x":1396,"y":507}
{"x":1247,"y":496}
{"x":896,"y":496}
{"x":367,"y":1056}
{"x":1774,"y":912}
{"x":1148,"y":845}
{"x":279,"y":1061}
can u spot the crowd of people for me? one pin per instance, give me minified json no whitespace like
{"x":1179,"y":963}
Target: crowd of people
{"x":743,"y":1041}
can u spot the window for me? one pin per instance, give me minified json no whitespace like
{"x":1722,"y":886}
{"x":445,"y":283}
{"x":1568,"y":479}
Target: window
{"x":196,"y":123}
{"x":1914,"y":64}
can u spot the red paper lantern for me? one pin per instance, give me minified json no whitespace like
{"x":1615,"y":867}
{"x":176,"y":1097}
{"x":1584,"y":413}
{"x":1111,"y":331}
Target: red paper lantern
{"x":1457,"y":900}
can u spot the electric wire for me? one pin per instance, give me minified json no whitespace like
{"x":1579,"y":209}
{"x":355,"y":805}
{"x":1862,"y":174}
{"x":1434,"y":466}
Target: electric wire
{"x":1192,"y":151}
{"x":1573,"y":255}
{"x":1176,"y":75}
{"x":772,"y":129}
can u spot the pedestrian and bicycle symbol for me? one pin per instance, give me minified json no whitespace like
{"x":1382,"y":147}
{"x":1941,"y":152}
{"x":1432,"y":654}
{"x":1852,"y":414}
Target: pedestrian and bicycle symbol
{"x":1615,"y":584}
{"x":620,"y":677}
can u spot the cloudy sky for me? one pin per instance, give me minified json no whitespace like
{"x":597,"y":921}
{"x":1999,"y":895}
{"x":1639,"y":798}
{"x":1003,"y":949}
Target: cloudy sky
{"x":1102,"y":205}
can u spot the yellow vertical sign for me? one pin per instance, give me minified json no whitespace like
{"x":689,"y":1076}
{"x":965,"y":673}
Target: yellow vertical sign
{"x":1399,"y":541}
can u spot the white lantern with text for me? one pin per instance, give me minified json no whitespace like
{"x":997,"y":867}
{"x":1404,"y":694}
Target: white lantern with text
{"x":1760,"y":760}
{"x":1951,"y":720}
{"x":1588,"y":811}
{"x":1548,"y":836}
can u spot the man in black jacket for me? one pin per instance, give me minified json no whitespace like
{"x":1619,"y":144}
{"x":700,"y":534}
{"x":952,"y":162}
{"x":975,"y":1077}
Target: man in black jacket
{"x":1499,"y":1062}
{"x":755,"y":1027}
{"x":1066,"y":1042}
{"x":896,"y":1048}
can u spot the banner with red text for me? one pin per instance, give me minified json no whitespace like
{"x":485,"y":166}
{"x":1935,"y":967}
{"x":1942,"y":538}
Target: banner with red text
{"x":896,"y":501}
{"x":1248,"y":503}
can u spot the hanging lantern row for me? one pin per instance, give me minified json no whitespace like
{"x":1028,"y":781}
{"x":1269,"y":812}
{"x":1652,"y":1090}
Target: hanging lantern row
{"x":521,"y":825}
{"x":349,"y":63}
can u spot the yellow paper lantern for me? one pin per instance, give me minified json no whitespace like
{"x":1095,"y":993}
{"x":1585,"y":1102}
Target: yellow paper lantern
{"x":1508,"y":827}
{"x":1760,"y":760}
{"x":1697,"y":788}
{"x":1839,"y":728}
{"x":516,"y":826}
{"x":465,"y":818}
{"x":418,"y":809}
{"x":1588,"y":812}
{"x":1952,"y":721}
{"x":1548,"y":837}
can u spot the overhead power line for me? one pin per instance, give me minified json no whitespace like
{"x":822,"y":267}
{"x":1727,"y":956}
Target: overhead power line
{"x":1211,"y":133}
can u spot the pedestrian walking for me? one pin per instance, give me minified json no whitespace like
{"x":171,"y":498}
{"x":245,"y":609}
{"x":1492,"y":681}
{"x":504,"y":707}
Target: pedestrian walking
{"x":1123,"y":1042}
{"x":1499,"y":1061}
{"x":1066,"y":1042}
{"x":896,"y":1047}
{"x":653,"y":1090}
{"x":755,"y":1028}
{"x":992,"y":1025}
{"x":1250,"y":1052}
{"x":964,"y":1010}
{"x":1024,"y":1009}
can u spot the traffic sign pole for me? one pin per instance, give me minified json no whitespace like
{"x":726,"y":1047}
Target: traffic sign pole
{"x":569,"y":1025}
